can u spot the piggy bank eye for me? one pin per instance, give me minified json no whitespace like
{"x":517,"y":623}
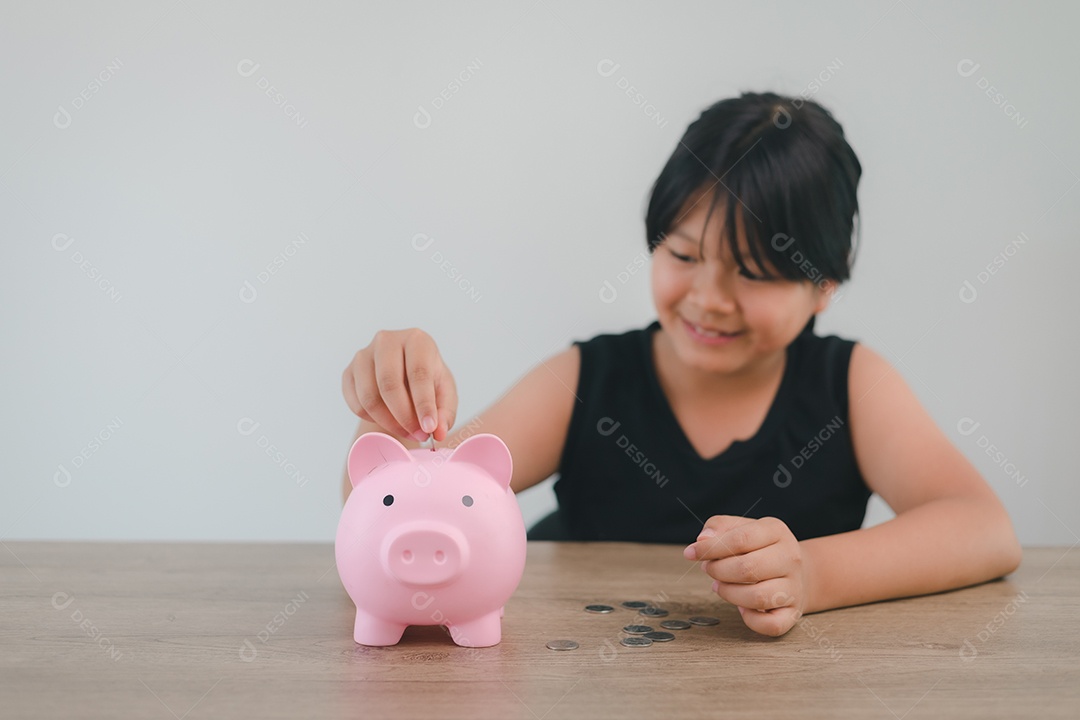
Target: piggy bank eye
{"x":388,"y":500}
{"x":467,"y":501}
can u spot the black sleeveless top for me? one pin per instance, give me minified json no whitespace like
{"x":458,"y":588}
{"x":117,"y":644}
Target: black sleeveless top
{"x":629,"y":473}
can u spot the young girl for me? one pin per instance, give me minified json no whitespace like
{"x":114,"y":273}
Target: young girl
{"x":727,"y":423}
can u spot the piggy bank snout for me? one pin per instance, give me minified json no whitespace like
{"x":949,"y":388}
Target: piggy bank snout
{"x":425,"y":553}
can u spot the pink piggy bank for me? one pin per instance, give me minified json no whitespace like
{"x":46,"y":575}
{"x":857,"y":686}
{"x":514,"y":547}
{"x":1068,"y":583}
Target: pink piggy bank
{"x":430,"y":538}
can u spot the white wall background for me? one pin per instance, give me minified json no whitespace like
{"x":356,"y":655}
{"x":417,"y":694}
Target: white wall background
{"x":148,"y":183}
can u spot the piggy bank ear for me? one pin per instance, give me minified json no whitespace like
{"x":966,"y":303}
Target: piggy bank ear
{"x":489,"y":453}
{"x":372,"y":450}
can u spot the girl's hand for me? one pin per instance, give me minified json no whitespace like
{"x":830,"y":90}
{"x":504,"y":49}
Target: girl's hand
{"x":399,"y":382}
{"x":758,"y":566}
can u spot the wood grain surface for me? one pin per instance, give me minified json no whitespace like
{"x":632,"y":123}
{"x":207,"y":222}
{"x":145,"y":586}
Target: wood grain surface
{"x":199,"y":630}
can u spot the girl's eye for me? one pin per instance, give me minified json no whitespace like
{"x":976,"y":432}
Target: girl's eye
{"x":681,"y":258}
{"x":751,"y":276}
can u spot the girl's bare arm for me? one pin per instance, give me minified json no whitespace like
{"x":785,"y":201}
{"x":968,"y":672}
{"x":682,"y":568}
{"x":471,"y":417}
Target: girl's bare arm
{"x":950,"y":529}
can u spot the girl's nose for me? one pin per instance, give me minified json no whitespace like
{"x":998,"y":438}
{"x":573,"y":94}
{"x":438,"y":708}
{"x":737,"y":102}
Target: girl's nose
{"x":713,"y":291}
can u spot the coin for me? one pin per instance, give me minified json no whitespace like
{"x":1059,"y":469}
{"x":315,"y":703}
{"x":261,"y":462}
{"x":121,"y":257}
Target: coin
{"x":704,"y":620}
{"x":599,"y":608}
{"x":634,"y":604}
{"x":675,"y":625}
{"x":636,"y":641}
{"x":653,"y":612}
{"x":658,"y":636}
{"x":637,"y":629}
{"x":562,"y":645}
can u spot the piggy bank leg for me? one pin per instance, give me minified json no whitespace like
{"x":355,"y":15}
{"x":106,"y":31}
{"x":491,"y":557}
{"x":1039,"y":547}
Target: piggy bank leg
{"x":482,"y":632}
{"x":373,"y":631}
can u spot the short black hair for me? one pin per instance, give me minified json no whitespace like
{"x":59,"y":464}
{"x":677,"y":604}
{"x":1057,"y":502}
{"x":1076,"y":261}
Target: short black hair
{"x":784,"y":162}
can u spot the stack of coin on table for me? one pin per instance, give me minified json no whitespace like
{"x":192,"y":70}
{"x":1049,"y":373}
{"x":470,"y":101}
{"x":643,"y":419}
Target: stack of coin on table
{"x":637,"y":633}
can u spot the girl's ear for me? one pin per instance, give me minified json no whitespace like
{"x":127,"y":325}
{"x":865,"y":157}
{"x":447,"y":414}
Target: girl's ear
{"x":824,"y":292}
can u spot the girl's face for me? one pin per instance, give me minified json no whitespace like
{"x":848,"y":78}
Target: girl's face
{"x":719,"y":319}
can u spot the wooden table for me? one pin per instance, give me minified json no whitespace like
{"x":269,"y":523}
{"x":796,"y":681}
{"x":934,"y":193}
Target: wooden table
{"x":159,"y":630}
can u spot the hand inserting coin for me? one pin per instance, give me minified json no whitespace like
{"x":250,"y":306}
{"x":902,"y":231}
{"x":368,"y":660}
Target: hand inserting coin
{"x":640,"y":635}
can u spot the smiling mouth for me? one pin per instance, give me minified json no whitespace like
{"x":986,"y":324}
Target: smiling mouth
{"x":710,"y":332}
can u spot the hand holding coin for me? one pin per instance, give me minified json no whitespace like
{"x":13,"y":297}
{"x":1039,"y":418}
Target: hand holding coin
{"x":758,"y":566}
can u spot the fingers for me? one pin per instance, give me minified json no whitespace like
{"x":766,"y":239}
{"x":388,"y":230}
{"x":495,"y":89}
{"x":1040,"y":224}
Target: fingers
{"x":751,"y":567}
{"x":720,"y":524}
{"x":371,"y":402}
{"x":765,"y":595}
{"x":774,"y":622}
{"x":389,"y":370}
{"x":422,"y":365}
{"x":399,"y":382}
{"x":362,"y":396}
{"x":352,"y":399}
{"x":734,"y":536}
